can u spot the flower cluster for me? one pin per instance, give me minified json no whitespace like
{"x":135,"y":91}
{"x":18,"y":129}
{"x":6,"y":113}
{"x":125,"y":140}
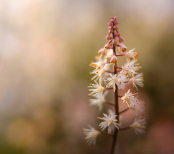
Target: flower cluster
{"x":106,"y":79}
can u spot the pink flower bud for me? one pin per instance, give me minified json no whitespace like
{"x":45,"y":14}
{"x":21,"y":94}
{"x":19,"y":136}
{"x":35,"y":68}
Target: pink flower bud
{"x":110,"y":31}
{"x":116,"y":22}
{"x":115,"y":27}
{"x":110,"y":27}
{"x":108,"y":37}
{"x":115,"y":18}
{"x":120,"y":39}
{"x":110,"y":24}
{"x":116,"y":33}
{"x":110,"y":45}
{"x":102,"y":51}
{"x":122,"y":48}
{"x":114,"y":41}
{"x":112,"y":20}
{"x":113,"y":59}
{"x":107,"y":46}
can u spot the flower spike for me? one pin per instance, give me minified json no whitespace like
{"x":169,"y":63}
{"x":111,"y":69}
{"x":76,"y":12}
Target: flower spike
{"x":108,"y":77}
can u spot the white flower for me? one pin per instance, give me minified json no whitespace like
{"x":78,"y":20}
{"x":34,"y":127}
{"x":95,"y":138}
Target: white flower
{"x":99,"y":100}
{"x":137,"y":80}
{"x":139,"y":125}
{"x":91,"y":134}
{"x":130,"y":54}
{"x":100,"y":73}
{"x":109,"y":121}
{"x":138,"y":107}
{"x":99,"y":64}
{"x":102,"y":51}
{"x":130,"y":68}
{"x":97,"y":89}
{"x":118,"y":79}
{"x":109,"y":53}
{"x":129,"y":98}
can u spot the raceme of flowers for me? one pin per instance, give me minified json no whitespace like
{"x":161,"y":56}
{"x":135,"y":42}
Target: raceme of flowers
{"x":105,"y":80}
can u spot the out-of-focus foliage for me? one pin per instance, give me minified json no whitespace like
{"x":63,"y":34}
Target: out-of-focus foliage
{"x":45,"y":51}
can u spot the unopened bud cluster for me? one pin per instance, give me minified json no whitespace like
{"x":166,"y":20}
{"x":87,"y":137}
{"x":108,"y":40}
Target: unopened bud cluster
{"x":106,"y":80}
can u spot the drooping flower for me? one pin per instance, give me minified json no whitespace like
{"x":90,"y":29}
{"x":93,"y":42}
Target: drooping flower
{"x":116,"y":79}
{"x":109,"y":53}
{"x":97,"y":89}
{"x":129,"y":98}
{"x":137,"y":80}
{"x":139,"y":125}
{"x":102,"y":51}
{"x":100,"y":74}
{"x":113,"y":59}
{"x":120,"y":39}
{"x":138,"y":107}
{"x":91,"y":134}
{"x":130,"y":68}
{"x":110,"y":121}
{"x":121,"y":81}
{"x":122,"y":48}
{"x":99,"y":100}
{"x":99,"y":63}
{"x":108,"y":45}
{"x":130,"y":54}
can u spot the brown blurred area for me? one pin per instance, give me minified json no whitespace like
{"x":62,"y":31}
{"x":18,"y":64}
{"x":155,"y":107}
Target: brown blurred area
{"x":45,"y":51}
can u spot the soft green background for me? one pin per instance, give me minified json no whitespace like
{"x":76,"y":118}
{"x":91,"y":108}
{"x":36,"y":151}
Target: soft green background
{"x":45,"y":50}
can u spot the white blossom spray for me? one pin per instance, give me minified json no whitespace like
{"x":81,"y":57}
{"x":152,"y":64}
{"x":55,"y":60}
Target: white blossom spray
{"x":116,"y":80}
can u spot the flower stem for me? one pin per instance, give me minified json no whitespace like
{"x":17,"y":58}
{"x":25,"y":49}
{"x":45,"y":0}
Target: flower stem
{"x":124,"y":128}
{"x":123,"y":110}
{"x":108,"y":88}
{"x":120,"y":96}
{"x":109,"y":72}
{"x":120,"y":55}
{"x":115,"y":134}
{"x":105,"y":133}
{"x":107,"y":102}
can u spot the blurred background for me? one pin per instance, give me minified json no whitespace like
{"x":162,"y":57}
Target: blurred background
{"x":45,"y":50}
